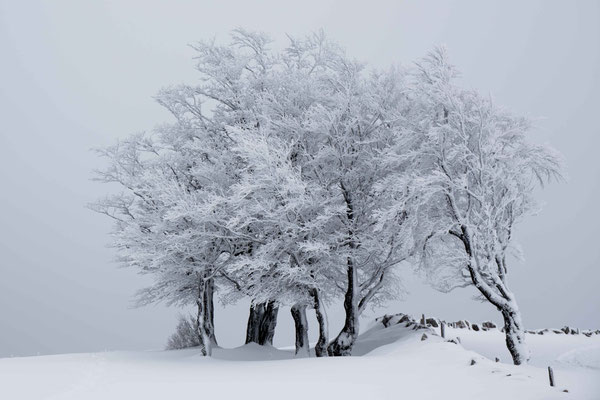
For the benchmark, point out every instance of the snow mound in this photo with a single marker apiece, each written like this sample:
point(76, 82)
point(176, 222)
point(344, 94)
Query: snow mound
point(252, 352)
point(587, 357)
point(395, 329)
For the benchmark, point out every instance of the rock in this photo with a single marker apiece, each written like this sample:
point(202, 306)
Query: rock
point(389, 320)
point(419, 326)
point(566, 330)
point(432, 322)
point(488, 325)
point(455, 341)
point(385, 320)
point(557, 331)
point(475, 327)
point(473, 362)
point(461, 325)
point(424, 337)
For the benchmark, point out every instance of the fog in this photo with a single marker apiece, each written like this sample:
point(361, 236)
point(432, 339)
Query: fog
point(77, 75)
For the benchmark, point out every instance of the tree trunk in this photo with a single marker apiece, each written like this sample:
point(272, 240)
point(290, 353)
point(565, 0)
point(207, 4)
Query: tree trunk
point(203, 339)
point(513, 327)
point(209, 311)
point(321, 346)
point(266, 330)
point(515, 335)
point(343, 343)
point(502, 299)
point(301, 325)
point(262, 321)
point(254, 319)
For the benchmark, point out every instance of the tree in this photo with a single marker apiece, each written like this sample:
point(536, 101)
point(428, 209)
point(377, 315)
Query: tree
point(154, 233)
point(360, 121)
point(292, 177)
point(289, 262)
point(171, 218)
point(321, 127)
point(474, 178)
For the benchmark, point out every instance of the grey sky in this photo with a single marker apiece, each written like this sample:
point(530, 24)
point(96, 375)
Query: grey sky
point(76, 75)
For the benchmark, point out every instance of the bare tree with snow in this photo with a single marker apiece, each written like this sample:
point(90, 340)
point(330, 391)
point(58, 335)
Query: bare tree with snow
point(473, 178)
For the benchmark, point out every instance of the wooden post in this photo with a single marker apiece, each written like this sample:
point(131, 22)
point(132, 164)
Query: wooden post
point(443, 329)
point(422, 319)
point(551, 376)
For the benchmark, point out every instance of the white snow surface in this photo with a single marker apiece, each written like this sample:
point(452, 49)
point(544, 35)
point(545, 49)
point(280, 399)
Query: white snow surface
point(389, 363)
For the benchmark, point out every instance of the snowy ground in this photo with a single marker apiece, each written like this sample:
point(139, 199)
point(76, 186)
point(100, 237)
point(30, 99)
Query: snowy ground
point(392, 363)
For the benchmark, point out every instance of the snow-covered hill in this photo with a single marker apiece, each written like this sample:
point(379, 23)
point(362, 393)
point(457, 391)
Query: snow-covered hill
point(391, 362)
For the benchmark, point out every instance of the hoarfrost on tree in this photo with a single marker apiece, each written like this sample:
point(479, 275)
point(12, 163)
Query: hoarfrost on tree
point(298, 177)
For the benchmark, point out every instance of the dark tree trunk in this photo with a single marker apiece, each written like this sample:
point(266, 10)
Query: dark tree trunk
point(203, 339)
point(209, 311)
point(254, 319)
point(343, 343)
point(502, 299)
point(301, 325)
point(262, 321)
point(321, 346)
point(515, 336)
point(266, 330)
point(200, 328)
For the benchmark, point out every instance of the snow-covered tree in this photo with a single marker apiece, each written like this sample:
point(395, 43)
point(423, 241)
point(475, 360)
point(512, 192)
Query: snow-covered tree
point(291, 260)
point(473, 178)
point(350, 133)
point(335, 119)
point(157, 229)
point(296, 177)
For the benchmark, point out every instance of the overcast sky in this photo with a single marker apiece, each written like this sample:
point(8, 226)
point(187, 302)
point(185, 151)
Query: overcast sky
point(81, 74)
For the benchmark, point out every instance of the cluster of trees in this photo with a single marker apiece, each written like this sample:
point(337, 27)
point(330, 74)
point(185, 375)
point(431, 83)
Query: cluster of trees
point(298, 177)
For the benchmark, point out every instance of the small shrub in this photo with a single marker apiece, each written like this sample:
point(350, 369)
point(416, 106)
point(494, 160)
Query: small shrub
point(186, 334)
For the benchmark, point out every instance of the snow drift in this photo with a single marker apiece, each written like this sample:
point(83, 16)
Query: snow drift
point(391, 361)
